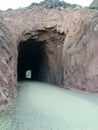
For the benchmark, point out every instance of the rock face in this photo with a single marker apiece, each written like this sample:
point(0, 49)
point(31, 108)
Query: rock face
point(54, 4)
point(67, 42)
point(94, 4)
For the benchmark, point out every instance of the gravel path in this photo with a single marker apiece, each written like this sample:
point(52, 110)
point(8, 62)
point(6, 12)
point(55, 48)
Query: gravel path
point(45, 107)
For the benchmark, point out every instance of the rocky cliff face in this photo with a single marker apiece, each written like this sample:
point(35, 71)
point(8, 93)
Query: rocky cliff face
point(94, 4)
point(67, 42)
point(54, 4)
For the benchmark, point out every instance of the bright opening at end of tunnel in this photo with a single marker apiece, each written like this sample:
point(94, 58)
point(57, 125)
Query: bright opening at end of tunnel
point(28, 74)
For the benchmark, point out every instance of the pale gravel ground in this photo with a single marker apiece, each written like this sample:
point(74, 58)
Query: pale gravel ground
point(45, 107)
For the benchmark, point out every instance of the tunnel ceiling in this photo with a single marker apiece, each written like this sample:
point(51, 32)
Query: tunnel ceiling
point(41, 52)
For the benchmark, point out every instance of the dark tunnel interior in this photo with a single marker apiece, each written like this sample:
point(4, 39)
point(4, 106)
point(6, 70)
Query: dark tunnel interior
point(31, 56)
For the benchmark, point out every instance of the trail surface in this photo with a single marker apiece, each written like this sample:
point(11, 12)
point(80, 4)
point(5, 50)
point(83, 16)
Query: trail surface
point(45, 107)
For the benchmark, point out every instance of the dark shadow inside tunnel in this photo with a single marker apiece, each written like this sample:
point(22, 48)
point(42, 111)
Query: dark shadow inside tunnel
point(31, 59)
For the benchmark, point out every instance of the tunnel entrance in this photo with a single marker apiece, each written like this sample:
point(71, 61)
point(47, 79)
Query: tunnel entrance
point(40, 56)
point(31, 56)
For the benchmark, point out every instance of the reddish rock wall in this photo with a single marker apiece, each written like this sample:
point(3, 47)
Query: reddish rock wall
point(72, 40)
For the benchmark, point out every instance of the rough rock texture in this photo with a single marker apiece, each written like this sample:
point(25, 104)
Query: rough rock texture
point(71, 45)
point(94, 4)
point(53, 4)
point(7, 66)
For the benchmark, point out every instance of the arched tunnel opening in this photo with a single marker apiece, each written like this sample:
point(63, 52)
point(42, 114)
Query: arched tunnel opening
point(31, 59)
point(40, 57)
